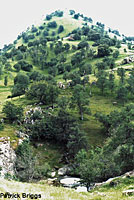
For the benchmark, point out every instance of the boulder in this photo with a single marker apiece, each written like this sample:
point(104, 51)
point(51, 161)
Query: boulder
point(53, 174)
point(81, 189)
point(70, 182)
point(51, 181)
point(20, 141)
point(64, 170)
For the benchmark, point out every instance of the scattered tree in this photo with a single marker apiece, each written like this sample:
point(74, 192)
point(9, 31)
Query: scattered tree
point(12, 111)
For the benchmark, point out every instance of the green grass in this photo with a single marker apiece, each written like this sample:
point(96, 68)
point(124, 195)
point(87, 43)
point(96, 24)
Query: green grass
point(91, 126)
point(59, 193)
point(98, 103)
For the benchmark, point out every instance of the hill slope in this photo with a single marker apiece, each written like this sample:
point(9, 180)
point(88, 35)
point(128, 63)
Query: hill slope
point(72, 81)
point(59, 193)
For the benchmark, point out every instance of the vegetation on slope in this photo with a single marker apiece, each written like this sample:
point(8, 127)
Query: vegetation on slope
point(76, 75)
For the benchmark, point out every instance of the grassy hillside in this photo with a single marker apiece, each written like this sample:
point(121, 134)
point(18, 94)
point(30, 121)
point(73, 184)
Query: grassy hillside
point(59, 193)
point(98, 102)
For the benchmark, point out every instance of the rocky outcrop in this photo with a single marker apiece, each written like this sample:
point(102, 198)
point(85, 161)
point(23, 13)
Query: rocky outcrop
point(7, 157)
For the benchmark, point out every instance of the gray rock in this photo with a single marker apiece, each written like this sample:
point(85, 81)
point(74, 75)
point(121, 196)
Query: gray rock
point(7, 156)
point(53, 174)
point(64, 170)
point(51, 181)
point(70, 182)
point(81, 189)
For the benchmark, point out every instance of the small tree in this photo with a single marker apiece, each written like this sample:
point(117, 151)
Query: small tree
point(12, 111)
point(131, 82)
point(65, 76)
point(122, 94)
point(5, 80)
point(21, 82)
point(76, 16)
point(103, 50)
point(53, 94)
point(102, 80)
point(118, 44)
point(85, 69)
point(17, 67)
point(60, 29)
point(66, 47)
point(111, 81)
point(116, 54)
point(80, 100)
point(121, 73)
point(72, 12)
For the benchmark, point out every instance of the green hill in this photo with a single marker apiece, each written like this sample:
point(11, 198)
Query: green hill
point(67, 85)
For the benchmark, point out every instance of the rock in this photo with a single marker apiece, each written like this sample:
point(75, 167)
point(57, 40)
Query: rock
point(51, 181)
point(110, 180)
point(70, 182)
point(81, 189)
point(128, 192)
point(114, 103)
point(7, 157)
point(56, 167)
point(101, 194)
point(129, 174)
point(64, 170)
point(20, 141)
point(98, 184)
point(53, 174)
point(13, 141)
